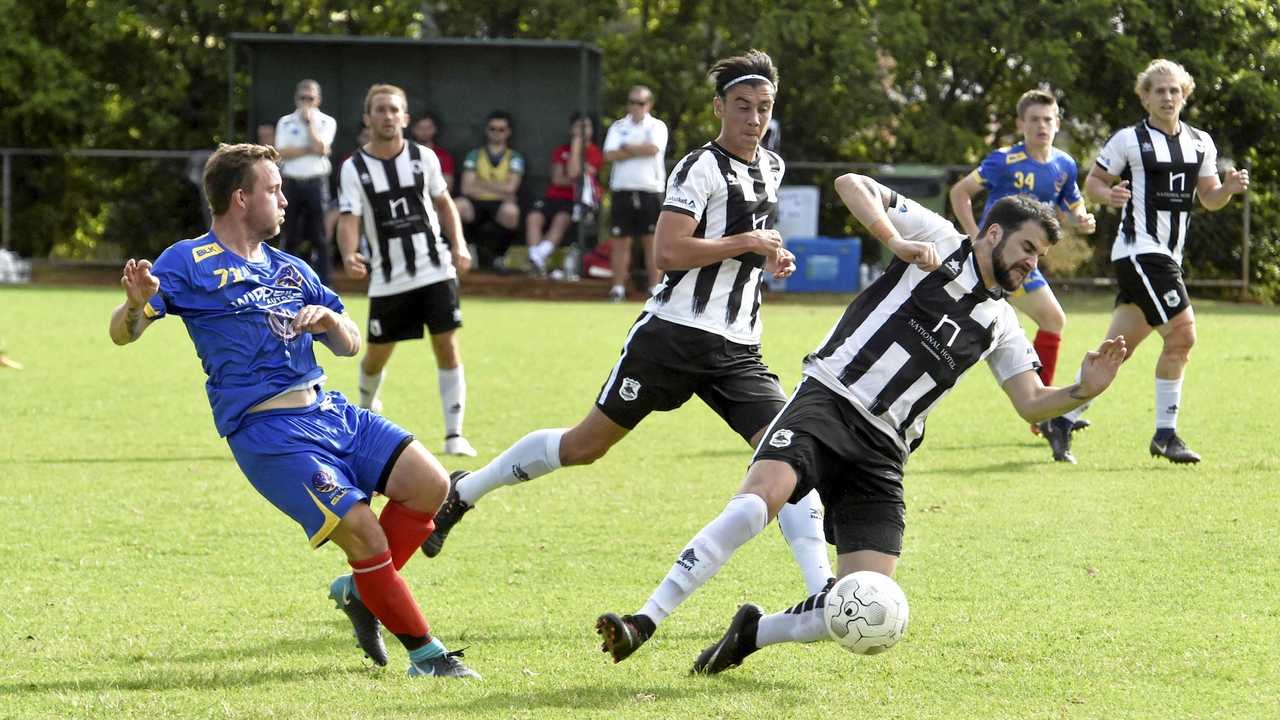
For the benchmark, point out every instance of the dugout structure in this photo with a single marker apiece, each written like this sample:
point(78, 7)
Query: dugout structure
point(459, 80)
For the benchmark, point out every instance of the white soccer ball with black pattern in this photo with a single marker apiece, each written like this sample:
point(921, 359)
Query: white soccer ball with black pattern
point(866, 612)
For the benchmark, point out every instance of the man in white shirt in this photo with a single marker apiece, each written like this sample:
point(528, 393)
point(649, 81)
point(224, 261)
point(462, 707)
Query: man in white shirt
point(635, 145)
point(304, 138)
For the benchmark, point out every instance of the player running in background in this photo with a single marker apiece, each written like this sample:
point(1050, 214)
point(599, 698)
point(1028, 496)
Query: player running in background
point(1032, 167)
point(1154, 171)
point(700, 331)
point(253, 313)
point(416, 253)
point(899, 348)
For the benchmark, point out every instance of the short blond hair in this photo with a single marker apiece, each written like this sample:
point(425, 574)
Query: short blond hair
point(1162, 66)
point(230, 168)
point(383, 89)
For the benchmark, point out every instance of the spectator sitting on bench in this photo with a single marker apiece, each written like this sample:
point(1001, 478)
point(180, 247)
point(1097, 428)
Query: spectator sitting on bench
point(569, 195)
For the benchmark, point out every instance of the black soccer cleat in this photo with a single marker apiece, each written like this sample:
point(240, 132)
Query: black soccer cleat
point(738, 642)
point(1081, 424)
point(621, 635)
point(367, 628)
point(1058, 432)
point(446, 665)
point(1174, 450)
point(450, 514)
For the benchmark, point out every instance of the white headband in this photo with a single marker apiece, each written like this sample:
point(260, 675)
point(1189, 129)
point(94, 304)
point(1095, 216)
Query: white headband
point(747, 78)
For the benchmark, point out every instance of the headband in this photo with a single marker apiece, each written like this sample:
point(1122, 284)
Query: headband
point(747, 78)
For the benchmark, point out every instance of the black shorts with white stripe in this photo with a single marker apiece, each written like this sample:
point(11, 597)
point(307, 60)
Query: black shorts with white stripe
point(663, 364)
point(856, 468)
point(393, 318)
point(1153, 282)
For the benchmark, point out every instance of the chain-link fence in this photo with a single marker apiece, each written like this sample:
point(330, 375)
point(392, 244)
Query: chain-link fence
point(106, 205)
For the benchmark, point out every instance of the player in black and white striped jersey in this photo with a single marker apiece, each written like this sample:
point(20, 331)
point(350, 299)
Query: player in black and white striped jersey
point(1154, 171)
point(898, 350)
point(700, 333)
point(393, 192)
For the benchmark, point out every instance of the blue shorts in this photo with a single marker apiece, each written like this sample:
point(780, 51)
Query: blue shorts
point(315, 463)
point(1035, 280)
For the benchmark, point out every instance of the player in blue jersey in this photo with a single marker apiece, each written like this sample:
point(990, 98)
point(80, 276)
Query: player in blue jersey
point(1032, 167)
point(253, 313)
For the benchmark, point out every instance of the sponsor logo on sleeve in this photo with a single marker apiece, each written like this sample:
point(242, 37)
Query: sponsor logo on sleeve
point(204, 252)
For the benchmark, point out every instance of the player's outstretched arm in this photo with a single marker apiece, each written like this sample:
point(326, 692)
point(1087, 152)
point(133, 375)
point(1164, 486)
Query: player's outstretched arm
point(337, 332)
point(1214, 194)
point(128, 320)
point(867, 200)
point(1102, 187)
point(1037, 403)
point(962, 202)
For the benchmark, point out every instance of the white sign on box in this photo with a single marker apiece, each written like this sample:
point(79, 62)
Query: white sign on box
point(798, 211)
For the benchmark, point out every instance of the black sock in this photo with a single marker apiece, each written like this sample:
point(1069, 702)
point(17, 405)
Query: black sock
point(644, 625)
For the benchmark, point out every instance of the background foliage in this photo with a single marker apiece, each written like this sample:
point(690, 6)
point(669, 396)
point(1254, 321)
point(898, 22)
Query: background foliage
point(929, 81)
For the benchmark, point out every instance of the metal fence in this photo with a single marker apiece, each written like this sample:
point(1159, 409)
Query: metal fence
point(108, 204)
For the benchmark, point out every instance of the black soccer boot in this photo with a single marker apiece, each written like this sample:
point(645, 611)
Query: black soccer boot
point(1058, 432)
point(450, 514)
point(623, 635)
point(367, 628)
point(1174, 450)
point(738, 642)
point(1079, 425)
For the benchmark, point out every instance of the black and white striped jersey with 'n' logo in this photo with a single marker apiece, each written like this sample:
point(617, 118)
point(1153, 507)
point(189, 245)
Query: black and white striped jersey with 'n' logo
point(902, 344)
point(1162, 171)
point(394, 199)
point(727, 196)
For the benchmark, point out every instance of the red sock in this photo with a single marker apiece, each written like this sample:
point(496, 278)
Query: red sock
point(1046, 344)
point(387, 596)
point(406, 530)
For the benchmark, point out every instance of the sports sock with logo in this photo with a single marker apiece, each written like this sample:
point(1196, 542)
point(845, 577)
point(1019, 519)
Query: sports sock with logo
point(387, 596)
point(1046, 345)
point(533, 455)
point(743, 518)
point(453, 398)
point(801, 526)
point(406, 530)
point(369, 385)
point(805, 622)
point(1168, 400)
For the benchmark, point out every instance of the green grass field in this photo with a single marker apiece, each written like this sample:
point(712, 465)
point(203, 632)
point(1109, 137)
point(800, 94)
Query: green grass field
point(144, 578)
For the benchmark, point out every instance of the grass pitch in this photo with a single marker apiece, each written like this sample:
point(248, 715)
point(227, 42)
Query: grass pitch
point(146, 579)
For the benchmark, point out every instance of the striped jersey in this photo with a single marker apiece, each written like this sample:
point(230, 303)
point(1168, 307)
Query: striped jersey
point(394, 199)
point(902, 344)
point(727, 196)
point(1162, 171)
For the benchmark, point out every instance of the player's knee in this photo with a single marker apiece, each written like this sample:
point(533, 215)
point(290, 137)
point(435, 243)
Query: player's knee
point(1055, 320)
point(359, 534)
point(1178, 343)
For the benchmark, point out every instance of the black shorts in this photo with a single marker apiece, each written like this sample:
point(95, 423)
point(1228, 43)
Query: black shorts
point(1153, 282)
point(663, 364)
point(856, 468)
point(486, 210)
point(400, 317)
point(634, 213)
point(550, 208)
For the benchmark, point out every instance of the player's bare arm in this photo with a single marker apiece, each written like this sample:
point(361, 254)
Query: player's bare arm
point(675, 247)
point(349, 245)
point(1101, 187)
point(338, 332)
point(1037, 403)
point(1082, 220)
point(867, 200)
point(1214, 194)
point(962, 194)
point(128, 319)
point(451, 226)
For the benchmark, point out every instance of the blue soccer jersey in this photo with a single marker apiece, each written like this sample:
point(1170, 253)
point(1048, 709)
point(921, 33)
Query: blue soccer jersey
point(1011, 171)
point(239, 315)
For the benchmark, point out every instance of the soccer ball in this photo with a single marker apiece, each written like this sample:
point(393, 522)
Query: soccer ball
point(866, 612)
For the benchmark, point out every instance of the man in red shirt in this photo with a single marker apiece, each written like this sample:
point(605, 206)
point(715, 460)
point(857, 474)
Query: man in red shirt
point(567, 192)
point(424, 130)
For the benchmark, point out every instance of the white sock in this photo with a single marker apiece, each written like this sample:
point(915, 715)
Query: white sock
point(618, 290)
point(801, 526)
point(533, 455)
point(369, 385)
point(742, 519)
point(805, 623)
point(1168, 400)
point(453, 399)
point(545, 248)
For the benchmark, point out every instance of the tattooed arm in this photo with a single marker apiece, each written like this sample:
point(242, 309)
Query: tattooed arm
point(128, 320)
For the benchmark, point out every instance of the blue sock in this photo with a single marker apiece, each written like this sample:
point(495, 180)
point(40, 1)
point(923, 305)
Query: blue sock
point(430, 651)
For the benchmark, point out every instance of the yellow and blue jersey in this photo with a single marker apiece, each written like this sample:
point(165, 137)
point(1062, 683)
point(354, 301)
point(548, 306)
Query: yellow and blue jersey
point(239, 315)
point(1011, 171)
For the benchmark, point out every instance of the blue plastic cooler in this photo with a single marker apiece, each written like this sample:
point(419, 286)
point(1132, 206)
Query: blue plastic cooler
point(825, 264)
